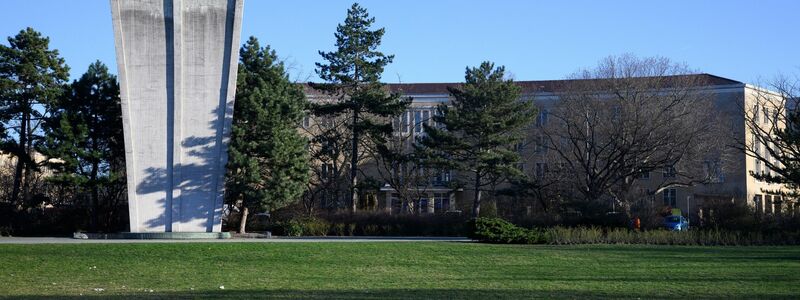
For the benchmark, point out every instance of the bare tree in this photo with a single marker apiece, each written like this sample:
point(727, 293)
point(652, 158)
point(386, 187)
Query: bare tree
point(329, 156)
point(400, 164)
point(630, 116)
point(773, 140)
point(547, 184)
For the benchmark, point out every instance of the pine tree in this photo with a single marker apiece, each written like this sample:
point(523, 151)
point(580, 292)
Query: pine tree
point(268, 162)
point(352, 77)
point(476, 131)
point(87, 141)
point(32, 76)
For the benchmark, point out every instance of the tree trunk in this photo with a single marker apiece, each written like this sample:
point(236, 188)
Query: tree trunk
point(93, 219)
point(354, 164)
point(243, 221)
point(17, 182)
point(26, 179)
point(23, 140)
point(476, 205)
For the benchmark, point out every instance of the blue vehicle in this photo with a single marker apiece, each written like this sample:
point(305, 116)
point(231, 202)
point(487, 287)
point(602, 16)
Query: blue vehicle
point(676, 223)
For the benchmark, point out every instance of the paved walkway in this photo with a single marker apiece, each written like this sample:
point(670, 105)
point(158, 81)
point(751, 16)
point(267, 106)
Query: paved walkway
point(360, 239)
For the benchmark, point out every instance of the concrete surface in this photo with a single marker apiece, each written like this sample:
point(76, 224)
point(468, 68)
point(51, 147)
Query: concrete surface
point(177, 62)
point(65, 240)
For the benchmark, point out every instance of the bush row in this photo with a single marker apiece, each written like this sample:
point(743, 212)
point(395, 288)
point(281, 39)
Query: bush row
point(371, 224)
point(495, 230)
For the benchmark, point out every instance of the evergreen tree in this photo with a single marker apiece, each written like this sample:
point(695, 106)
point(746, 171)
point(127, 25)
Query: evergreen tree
point(87, 141)
point(476, 131)
point(268, 164)
point(352, 76)
point(32, 76)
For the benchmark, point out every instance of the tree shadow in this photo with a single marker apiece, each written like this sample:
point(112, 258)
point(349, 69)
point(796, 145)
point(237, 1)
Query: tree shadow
point(410, 294)
point(194, 184)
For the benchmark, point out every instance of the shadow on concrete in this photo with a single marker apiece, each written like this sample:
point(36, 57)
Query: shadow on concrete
point(198, 185)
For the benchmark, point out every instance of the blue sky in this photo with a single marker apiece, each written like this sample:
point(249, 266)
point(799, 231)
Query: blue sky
point(435, 40)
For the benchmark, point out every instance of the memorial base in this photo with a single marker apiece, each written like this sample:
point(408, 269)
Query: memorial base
point(153, 236)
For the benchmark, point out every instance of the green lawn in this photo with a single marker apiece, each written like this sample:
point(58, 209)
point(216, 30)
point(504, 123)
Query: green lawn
point(396, 270)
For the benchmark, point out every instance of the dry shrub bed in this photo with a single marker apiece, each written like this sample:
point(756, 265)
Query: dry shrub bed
point(495, 230)
point(372, 224)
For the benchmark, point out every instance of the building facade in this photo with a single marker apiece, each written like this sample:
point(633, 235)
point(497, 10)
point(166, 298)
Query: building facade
point(727, 179)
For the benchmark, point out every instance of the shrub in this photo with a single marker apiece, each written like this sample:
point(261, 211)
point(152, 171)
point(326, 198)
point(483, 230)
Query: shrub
point(372, 229)
point(338, 229)
point(496, 230)
point(315, 227)
point(288, 228)
point(379, 223)
point(5, 231)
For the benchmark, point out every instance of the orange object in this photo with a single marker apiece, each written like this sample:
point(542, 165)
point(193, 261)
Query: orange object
point(637, 223)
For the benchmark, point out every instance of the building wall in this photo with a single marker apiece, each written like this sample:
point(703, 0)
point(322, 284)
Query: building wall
point(735, 184)
point(756, 100)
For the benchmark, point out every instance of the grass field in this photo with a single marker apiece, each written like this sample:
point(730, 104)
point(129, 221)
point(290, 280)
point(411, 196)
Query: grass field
point(396, 270)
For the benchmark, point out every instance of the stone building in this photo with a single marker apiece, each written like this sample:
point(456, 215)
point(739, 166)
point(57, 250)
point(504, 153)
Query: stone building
point(728, 181)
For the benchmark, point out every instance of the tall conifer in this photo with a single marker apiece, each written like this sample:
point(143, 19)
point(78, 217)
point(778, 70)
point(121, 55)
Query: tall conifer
point(352, 76)
point(476, 131)
point(86, 140)
point(32, 77)
point(268, 160)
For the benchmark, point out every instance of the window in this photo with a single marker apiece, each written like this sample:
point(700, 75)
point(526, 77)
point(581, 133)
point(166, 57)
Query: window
point(766, 115)
point(397, 123)
point(442, 178)
point(397, 205)
point(519, 147)
point(768, 158)
point(756, 145)
point(437, 113)
point(565, 142)
point(670, 172)
point(441, 202)
point(326, 171)
point(759, 204)
point(421, 117)
point(423, 204)
point(775, 117)
point(768, 205)
point(405, 121)
point(306, 122)
point(713, 171)
point(541, 120)
point(616, 112)
point(758, 166)
point(417, 121)
point(541, 144)
point(756, 114)
point(644, 175)
point(541, 169)
point(671, 197)
point(328, 147)
point(401, 123)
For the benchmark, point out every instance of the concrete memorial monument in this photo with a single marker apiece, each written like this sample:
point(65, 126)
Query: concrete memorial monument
point(177, 62)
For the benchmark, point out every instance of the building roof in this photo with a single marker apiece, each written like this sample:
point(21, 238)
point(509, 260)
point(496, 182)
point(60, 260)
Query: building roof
point(534, 86)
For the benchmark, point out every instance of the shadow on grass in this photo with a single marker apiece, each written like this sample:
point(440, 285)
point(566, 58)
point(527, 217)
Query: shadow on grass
point(388, 294)
point(777, 253)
